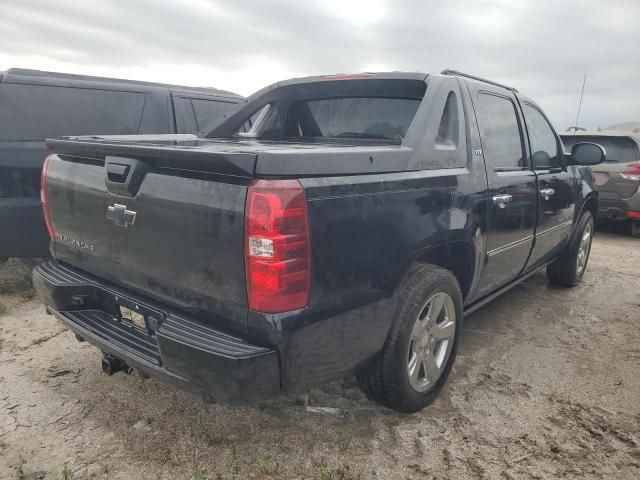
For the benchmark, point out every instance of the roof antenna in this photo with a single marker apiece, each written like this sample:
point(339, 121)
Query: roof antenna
point(584, 81)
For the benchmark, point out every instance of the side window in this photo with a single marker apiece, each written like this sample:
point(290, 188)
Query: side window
point(37, 112)
point(544, 145)
point(185, 116)
point(209, 110)
point(500, 132)
point(194, 114)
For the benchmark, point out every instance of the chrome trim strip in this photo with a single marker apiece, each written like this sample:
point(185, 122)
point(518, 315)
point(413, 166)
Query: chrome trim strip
point(509, 246)
point(555, 227)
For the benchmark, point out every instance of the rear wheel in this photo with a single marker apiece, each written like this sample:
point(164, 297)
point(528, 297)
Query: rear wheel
point(422, 343)
point(568, 269)
point(635, 229)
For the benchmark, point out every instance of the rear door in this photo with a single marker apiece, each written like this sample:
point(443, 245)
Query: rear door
point(512, 186)
point(28, 115)
point(558, 186)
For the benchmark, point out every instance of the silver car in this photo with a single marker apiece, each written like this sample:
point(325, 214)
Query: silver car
point(618, 179)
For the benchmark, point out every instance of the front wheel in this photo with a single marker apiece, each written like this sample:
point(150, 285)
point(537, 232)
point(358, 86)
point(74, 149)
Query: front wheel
point(422, 343)
point(568, 269)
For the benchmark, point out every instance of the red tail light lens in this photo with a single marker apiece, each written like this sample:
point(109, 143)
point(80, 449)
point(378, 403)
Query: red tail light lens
point(634, 173)
point(44, 199)
point(277, 246)
point(635, 168)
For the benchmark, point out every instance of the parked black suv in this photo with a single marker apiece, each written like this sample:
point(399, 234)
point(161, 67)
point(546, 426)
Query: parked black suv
point(36, 105)
point(330, 226)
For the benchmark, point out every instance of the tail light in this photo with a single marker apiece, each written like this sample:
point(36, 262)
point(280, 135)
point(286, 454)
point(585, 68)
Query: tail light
point(277, 246)
point(634, 173)
point(44, 199)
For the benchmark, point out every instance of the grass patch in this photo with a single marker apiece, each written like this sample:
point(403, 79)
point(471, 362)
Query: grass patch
point(235, 466)
point(344, 472)
point(19, 467)
point(200, 474)
point(3, 309)
point(265, 463)
point(66, 474)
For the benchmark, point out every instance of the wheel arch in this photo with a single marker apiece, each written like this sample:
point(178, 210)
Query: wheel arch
point(457, 256)
point(590, 204)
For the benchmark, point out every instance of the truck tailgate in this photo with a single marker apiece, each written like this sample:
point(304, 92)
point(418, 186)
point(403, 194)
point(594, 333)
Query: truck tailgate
point(161, 221)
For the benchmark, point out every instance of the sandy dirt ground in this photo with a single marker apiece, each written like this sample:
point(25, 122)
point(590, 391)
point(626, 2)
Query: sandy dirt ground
point(547, 385)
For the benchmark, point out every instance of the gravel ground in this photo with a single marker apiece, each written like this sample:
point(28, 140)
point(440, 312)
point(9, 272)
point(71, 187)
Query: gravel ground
point(546, 385)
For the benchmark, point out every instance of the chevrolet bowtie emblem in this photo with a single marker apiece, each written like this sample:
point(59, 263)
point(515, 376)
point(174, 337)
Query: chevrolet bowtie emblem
point(120, 215)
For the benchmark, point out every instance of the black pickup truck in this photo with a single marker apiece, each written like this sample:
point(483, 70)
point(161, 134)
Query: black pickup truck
point(331, 226)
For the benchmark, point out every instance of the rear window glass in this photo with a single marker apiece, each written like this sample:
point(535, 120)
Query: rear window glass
point(619, 149)
point(372, 118)
point(36, 112)
point(356, 118)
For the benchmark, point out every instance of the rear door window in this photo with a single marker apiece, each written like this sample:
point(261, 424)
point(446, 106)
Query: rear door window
point(36, 112)
point(500, 132)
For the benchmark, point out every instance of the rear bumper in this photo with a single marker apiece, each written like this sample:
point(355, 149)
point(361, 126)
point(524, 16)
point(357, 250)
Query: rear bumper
point(613, 206)
point(176, 349)
point(22, 229)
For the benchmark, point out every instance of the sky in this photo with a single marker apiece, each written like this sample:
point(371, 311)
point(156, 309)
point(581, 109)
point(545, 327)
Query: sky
point(543, 48)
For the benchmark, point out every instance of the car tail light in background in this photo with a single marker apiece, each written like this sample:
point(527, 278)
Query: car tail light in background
point(633, 213)
point(277, 246)
point(44, 199)
point(633, 173)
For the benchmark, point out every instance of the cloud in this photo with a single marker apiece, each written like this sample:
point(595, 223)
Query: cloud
point(543, 48)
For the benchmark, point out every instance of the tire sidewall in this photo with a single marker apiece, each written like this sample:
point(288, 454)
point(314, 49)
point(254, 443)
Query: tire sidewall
point(445, 282)
point(586, 218)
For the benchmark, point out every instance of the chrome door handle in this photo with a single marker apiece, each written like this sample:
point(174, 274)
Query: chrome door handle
point(547, 192)
point(502, 199)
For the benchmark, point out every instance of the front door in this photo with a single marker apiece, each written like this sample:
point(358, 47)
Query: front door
point(558, 190)
point(512, 187)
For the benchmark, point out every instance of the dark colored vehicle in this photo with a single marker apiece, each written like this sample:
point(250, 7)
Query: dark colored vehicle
point(618, 179)
point(36, 105)
point(330, 226)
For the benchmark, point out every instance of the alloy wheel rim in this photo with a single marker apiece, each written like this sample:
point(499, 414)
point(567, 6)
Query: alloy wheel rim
point(431, 341)
point(584, 248)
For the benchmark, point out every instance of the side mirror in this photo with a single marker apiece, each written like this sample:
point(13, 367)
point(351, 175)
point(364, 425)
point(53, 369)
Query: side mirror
point(587, 154)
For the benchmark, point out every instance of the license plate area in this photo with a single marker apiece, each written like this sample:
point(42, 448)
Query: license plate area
point(131, 316)
point(138, 316)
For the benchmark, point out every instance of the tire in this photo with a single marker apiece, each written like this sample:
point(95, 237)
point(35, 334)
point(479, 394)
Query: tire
point(566, 270)
point(635, 229)
point(413, 339)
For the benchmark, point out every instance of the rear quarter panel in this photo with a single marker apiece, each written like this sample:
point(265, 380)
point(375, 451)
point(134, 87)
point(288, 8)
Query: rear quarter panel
point(366, 233)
